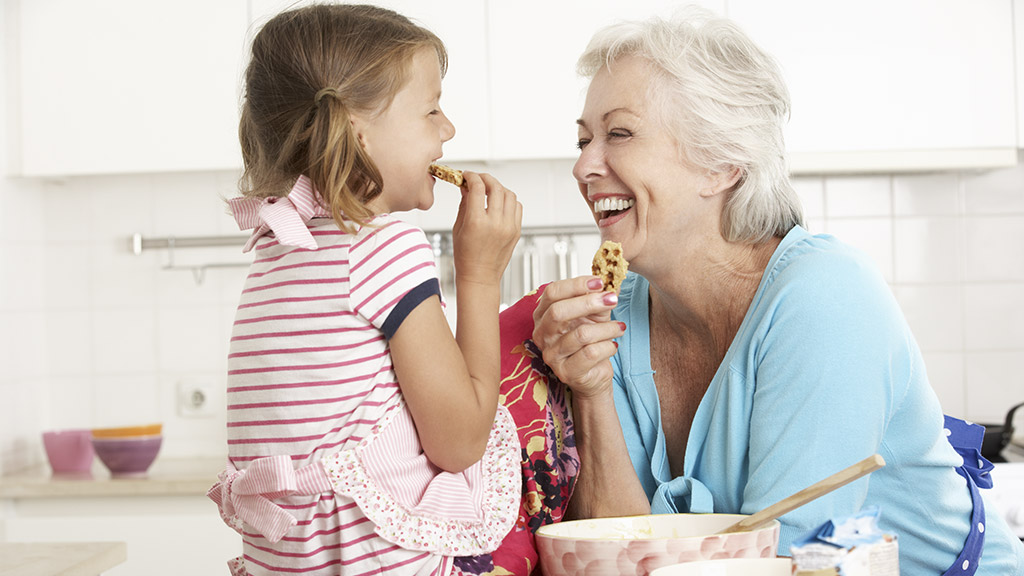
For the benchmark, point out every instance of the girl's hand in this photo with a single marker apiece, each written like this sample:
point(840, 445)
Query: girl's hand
point(486, 229)
point(573, 329)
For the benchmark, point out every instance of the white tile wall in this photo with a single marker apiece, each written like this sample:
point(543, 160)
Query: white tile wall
point(94, 335)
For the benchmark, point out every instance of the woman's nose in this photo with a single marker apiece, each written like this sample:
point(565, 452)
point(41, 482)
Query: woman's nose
point(589, 165)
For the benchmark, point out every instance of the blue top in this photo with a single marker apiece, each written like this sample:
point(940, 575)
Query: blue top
point(822, 373)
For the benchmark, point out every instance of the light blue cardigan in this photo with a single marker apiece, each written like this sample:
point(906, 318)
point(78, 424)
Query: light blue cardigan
point(823, 372)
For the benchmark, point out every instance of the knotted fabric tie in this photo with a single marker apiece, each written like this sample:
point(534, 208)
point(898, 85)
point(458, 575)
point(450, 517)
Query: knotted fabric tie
point(248, 494)
point(966, 438)
point(286, 217)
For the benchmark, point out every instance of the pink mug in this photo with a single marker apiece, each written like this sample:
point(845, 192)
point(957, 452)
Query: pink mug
point(69, 451)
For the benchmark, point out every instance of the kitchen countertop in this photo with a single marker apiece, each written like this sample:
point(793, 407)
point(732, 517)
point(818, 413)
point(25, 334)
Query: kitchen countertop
point(167, 477)
point(60, 558)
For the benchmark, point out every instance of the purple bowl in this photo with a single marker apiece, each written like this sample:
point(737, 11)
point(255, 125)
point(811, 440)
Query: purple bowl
point(127, 457)
point(69, 451)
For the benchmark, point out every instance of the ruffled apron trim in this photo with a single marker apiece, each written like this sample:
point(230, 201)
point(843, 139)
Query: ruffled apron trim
point(462, 514)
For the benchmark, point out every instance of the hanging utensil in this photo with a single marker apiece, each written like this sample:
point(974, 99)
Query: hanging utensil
point(561, 248)
point(574, 259)
point(786, 505)
point(529, 262)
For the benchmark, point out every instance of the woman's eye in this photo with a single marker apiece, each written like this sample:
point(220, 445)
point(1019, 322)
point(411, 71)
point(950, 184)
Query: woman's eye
point(581, 143)
point(619, 134)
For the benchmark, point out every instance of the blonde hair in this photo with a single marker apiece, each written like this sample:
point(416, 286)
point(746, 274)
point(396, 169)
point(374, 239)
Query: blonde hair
point(310, 68)
point(726, 102)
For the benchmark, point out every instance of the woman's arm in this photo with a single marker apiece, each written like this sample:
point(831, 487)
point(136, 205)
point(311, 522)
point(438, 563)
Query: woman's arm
point(572, 327)
point(450, 383)
point(607, 484)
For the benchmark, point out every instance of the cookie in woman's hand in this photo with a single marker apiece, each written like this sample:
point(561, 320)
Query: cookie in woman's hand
point(610, 265)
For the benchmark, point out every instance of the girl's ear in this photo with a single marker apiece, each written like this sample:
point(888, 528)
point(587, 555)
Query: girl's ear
point(722, 181)
point(358, 126)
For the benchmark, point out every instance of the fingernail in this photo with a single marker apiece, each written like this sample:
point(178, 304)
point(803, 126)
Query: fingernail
point(595, 283)
point(622, 326)
point(616, 344)
point(611, 298)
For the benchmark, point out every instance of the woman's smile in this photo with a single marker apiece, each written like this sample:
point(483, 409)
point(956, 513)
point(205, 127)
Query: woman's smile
point(610, 210)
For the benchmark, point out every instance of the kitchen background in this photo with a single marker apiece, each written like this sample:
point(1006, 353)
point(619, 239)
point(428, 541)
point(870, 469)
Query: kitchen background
point(95, 335)
point(905, 145)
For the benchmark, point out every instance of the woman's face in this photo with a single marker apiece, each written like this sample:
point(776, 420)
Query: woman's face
point(406, 138)
point(630, 169)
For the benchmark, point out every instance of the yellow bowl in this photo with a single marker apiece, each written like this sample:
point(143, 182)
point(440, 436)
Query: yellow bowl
point(128, 431)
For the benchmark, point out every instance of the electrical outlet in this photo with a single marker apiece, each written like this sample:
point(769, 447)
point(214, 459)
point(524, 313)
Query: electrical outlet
point(195, 399)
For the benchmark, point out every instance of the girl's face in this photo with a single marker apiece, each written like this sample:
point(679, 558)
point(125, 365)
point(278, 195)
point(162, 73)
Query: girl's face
point(631, 172)
point(406, 138)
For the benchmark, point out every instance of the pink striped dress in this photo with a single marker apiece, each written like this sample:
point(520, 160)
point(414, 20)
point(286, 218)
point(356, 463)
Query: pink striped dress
point(312, 396)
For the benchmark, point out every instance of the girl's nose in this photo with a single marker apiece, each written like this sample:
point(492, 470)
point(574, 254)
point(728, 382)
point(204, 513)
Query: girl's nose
point(447, 128)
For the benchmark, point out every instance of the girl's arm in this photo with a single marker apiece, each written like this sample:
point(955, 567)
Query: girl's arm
point(450, 383)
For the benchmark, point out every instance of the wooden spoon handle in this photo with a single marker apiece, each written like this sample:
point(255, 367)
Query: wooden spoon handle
point(841, 478)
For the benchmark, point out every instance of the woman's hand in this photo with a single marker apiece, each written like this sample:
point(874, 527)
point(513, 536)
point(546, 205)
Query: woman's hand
point(573, 329)
point(486, 229)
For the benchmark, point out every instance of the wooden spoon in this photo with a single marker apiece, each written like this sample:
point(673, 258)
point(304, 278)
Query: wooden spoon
point(841, 478)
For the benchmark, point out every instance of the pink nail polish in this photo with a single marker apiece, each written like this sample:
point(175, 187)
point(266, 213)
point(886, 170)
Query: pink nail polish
point(611, 298)
point(595, 283)
point(622, 326)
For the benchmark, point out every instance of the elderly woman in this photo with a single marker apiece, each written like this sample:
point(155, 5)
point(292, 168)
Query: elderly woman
point(744, 358)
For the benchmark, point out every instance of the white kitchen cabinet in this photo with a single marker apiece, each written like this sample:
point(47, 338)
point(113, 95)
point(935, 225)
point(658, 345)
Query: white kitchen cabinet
point(883, 85)
point(127, 86)
point(462, 26)
point(169, 525)
point(165, 535)
point(1018, 33)
point(535, 93)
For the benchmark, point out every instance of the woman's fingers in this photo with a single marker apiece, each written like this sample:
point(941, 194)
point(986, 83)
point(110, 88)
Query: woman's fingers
point(578, 339)
point(589, 370)
point(565, 303)
point(573, 330)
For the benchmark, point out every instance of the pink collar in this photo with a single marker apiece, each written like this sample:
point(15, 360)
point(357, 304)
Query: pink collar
point(286, 217)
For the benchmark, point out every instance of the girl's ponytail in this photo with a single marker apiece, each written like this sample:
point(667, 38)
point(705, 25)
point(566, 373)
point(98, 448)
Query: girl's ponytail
point(338, 165)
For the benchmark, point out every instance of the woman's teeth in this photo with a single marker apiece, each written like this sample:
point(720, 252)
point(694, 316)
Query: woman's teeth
point(613, 204)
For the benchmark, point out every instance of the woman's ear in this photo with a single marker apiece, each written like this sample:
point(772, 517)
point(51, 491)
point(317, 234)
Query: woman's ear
point(721, 181)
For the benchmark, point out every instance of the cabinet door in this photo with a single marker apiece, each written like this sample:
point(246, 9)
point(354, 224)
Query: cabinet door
point(1018, 32)
point(535, 92)
point(129, 86)
point(165, 535)
point(877, 75)
point(461, 25)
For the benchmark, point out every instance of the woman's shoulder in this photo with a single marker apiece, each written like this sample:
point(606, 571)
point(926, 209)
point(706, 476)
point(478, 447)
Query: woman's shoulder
point(821, 262)
point(816, 277)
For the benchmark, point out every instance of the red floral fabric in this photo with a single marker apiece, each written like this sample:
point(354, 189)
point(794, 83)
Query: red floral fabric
point(540, 406)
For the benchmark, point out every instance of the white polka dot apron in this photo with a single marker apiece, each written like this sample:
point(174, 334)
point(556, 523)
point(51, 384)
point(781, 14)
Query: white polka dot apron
point(966, 440)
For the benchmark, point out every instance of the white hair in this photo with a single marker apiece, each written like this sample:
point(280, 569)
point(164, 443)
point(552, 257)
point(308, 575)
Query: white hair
point(725, 101)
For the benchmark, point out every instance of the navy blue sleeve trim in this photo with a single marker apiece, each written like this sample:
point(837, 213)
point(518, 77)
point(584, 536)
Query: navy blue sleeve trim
point(408, 303)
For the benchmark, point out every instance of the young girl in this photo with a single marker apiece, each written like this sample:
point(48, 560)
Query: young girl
point(363, 438)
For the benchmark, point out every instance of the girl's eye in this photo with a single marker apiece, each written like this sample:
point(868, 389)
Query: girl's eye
point(434, 112)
